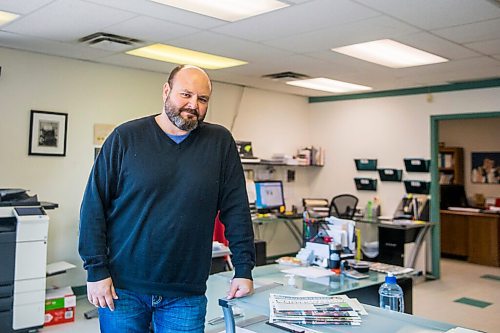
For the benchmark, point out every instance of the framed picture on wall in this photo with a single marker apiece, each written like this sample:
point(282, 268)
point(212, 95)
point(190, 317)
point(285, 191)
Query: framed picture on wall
point(485, 167)
point(48, 132)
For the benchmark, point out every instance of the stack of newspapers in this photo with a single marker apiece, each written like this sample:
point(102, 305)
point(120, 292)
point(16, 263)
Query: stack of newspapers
point(315, 310)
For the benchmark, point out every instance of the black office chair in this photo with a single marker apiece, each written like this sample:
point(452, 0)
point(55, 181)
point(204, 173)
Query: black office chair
point(343, 206)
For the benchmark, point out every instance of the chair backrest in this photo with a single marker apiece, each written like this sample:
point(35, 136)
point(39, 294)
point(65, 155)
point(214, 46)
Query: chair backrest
point(343, 206)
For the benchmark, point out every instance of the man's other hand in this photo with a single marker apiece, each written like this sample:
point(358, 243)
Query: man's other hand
point(240, 287)
point(102, 293)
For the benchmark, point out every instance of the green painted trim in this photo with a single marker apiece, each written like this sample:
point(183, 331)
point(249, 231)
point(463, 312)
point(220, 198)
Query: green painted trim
point(491, 83)
point(434, 216)
point(434, 213)
point(464, 116)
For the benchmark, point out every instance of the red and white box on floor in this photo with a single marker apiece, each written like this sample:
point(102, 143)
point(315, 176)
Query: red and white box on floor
point(60, 306)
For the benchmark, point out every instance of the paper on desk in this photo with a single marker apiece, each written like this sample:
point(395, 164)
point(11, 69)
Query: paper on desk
point(462, 330)
point(357, 306)
point(311, 272)
point(240, 330)
point(58, 267)
point(325, 280)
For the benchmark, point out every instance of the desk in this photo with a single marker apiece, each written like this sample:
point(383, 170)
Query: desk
point(392, 239)
point(279, 243)
point(471, 235)
point(257, 306)
point(365, 290)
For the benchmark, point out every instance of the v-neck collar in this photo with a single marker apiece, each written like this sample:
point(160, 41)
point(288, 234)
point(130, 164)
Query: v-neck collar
point(169, 139)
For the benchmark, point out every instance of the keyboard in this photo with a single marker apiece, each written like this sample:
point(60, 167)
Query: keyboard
point(289, 216)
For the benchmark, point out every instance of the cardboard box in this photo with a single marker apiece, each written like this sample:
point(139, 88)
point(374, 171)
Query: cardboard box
point(60, 306)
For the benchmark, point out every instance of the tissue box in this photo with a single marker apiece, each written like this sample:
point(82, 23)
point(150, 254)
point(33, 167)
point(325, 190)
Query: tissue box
point(60, 305)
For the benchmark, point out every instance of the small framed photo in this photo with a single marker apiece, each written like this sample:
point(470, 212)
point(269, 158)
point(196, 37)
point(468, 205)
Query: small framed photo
point(48, 131)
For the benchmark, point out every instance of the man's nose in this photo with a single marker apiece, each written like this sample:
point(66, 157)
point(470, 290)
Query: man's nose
point(193, 102)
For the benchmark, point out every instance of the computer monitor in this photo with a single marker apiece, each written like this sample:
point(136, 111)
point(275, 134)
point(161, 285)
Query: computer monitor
point(453, 195)
point(269, 195)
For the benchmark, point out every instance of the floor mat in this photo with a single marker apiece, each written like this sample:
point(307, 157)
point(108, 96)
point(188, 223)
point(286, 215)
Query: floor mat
point(491, 277)
point(473, 302)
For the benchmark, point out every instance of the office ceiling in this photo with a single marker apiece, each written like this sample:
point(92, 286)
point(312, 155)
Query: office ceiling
point(297, 38)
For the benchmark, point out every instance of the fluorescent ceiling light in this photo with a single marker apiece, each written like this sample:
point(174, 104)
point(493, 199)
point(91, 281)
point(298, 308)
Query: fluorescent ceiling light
point(6, 17)
point(227, 10)
point(387, 52)
point(178, 55)
point(324, 84)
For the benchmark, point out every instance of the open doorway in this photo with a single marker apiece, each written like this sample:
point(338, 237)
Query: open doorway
point(444, 128)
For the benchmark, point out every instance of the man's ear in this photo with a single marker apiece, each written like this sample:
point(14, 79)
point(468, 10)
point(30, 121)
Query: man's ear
point(166, 90)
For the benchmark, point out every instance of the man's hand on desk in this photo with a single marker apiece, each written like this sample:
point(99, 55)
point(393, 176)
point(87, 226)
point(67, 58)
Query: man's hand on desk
point(240, 287)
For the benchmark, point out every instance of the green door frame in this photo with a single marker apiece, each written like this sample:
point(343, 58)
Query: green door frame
point(435, 217)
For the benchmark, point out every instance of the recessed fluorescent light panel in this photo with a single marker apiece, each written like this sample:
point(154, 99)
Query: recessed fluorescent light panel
point(227, 10)
point(178, 55)
point(324, 84)
point(387, 52)
point(6, 17)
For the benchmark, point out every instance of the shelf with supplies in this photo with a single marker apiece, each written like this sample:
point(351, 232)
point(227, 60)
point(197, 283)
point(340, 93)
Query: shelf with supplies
point(272, 164)
point(305, 157)
point(451, 165)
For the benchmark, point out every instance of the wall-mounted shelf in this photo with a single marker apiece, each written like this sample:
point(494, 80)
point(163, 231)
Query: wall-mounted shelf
point(365, 164)
point(365, 184)
point(280, 165)
point(417, 165)
point(390, 175)
point(417, 186)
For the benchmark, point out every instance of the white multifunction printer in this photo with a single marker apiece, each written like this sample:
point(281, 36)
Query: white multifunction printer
point(23, 253)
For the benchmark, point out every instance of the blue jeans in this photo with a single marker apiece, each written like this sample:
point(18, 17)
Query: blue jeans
point(135, 312)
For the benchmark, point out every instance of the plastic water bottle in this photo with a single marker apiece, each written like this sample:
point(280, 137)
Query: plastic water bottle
point(391, 295)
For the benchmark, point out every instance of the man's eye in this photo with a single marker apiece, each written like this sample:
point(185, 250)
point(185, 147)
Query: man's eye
point(203, 100)
point(185, 95)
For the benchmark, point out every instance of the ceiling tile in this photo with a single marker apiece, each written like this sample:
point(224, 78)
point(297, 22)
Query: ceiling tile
point(163, 12)
point(436, 45)
point(467, 33)
point(433, 14)
point(125, 60)
point(22, 7)
point(297, 19)
point(350, 33)
point(67, 20)
point(459, 70)
point(38, 45)
point(150, 29)
point(228, 46)
point(488, 47)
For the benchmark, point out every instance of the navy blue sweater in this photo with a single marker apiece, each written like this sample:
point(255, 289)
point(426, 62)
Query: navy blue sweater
point(147, 215)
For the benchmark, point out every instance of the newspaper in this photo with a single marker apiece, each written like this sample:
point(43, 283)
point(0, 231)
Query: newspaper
point(313, 310)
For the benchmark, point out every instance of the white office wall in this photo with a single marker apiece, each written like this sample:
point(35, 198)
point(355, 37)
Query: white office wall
point(93, 93)
point(474, 135)
point(389, 129)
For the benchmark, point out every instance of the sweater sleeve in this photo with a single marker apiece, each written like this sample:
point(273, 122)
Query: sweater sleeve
point(235, 215)
point(100, 190)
